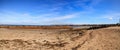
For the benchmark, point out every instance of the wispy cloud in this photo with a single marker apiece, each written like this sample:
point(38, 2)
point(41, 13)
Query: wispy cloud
point(87, 4)
point(70, 6)
point(68, 16)
point(61, 11)
point(26, 18)
point(111, 16)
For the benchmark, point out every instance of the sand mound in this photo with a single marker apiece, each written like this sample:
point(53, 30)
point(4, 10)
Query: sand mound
point(59, 39)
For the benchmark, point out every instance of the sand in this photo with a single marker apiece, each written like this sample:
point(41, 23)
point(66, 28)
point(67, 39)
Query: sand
point(59, 39)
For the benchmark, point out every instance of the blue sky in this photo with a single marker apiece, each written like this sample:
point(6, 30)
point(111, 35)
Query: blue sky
point(39, 12)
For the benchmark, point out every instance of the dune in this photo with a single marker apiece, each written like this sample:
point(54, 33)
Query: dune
point(60, 39)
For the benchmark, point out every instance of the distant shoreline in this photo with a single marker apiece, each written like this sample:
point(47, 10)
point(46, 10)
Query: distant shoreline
point(82, 26)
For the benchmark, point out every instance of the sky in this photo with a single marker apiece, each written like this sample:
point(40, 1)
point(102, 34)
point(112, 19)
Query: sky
point(47, 12)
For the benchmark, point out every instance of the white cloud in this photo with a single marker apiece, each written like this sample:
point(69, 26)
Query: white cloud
point(87, 6)
point(111, 16)
point(63, 17)
point(95, 2)
point(26, 18)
